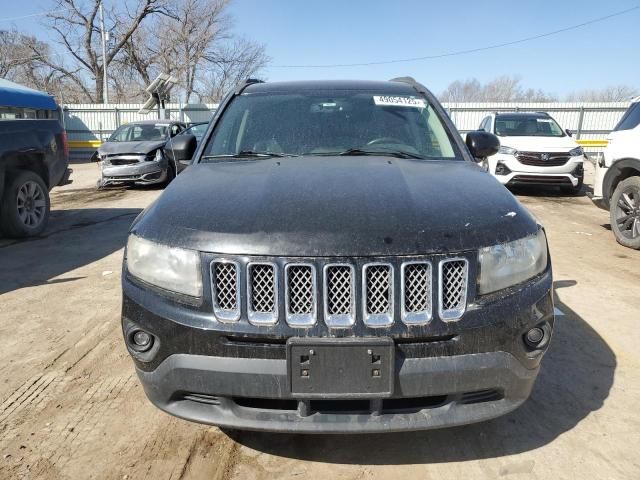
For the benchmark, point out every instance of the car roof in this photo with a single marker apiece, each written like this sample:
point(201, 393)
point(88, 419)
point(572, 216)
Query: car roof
point(152, 122)
point(523, 114)
point(399, 88)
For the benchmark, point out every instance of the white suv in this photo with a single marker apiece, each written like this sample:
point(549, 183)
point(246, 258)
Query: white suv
point(617, 181)
point(534, 150)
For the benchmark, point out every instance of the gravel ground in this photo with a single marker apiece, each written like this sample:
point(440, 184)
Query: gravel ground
point(71, 406)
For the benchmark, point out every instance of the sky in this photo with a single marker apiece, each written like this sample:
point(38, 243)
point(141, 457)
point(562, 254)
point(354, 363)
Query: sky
point(320, 32)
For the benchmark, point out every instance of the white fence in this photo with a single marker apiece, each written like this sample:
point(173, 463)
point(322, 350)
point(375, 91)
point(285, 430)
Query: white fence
point(89, 124)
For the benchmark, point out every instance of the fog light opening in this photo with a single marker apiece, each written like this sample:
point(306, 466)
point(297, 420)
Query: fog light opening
point(537, 337)
point(140, 341)
point(534, 336)
point(502, 169)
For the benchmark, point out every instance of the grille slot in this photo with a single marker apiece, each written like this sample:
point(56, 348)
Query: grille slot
point(226, 291)
point(262, 293)
point(453, 288)
point(377, 287)
point(416, 293)
point(301, 294)
point(339, 295)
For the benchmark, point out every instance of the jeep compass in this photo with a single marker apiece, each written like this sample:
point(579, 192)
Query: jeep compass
point(334, 260)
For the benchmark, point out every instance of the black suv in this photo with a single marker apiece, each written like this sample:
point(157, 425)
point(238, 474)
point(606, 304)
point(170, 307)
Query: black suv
point(334, 260)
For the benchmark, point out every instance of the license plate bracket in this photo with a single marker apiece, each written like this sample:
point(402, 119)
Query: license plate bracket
point(341, 368)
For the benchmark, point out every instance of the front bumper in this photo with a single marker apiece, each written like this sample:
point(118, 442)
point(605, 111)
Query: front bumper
point(454, 390)
point(143, 173)
point(521, 174)
point(235, 375)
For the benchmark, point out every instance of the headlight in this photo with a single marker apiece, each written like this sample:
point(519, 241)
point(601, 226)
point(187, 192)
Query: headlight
point(159, 155)
point(502, 266)
point(171, 268)
point(507, 150)
point(576, 152)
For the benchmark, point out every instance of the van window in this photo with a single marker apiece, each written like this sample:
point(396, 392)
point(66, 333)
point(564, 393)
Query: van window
point(630, 119)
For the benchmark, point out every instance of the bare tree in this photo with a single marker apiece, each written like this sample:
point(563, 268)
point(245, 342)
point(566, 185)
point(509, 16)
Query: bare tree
point(462, 91)
point(21, 61)
point(505, 88)
point(12, 54)
point(75, 23)
point(232, 64)
point(615, 93)
point(197, 46)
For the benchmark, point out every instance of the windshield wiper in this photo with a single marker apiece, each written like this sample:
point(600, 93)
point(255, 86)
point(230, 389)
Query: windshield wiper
point(250, 154)
point(392, 153)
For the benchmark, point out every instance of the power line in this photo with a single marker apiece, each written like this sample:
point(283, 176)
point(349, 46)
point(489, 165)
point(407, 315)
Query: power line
point(467, 51)
point(39, 14)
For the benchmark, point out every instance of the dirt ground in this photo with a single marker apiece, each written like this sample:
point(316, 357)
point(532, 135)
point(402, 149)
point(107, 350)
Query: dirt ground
point(71, 406)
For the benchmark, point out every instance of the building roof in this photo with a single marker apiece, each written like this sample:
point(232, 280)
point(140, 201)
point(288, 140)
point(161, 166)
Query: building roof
point(15, 95)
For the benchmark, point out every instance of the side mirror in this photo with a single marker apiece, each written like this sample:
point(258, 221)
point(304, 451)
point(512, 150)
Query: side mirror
point(482, 144)
point(180, 149)
point(569, 132)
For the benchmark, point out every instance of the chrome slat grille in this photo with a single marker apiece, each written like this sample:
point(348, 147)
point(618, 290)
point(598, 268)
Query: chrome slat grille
point(339, 295)
point(378, 294)
point(262, 293)
point(416, 293)
point(453, 288)
point(226, 291)
point(301, 294)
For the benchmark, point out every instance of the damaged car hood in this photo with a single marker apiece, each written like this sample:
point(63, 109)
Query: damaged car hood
point(111, 148)
point(335, 206)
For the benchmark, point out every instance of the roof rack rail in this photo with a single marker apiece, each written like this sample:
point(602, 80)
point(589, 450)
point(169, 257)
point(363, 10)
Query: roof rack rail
point(246, 83)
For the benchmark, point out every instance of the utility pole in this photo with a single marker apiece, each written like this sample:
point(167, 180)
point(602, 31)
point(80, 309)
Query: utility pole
point(105, 84)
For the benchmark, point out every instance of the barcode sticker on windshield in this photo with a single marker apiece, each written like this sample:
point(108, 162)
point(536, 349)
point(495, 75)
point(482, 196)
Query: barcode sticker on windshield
point(389, 101)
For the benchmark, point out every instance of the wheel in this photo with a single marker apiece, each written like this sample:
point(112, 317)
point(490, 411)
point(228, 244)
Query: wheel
point(624, 212)
point(574, 190)
point(25, 206)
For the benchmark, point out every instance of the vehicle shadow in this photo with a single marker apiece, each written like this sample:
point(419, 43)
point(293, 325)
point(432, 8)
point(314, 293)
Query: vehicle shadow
point(548, 191)
point(74, 238)
point(576, 377)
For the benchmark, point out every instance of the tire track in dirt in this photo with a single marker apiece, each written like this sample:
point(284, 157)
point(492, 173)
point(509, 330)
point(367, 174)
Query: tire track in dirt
point(31, 393)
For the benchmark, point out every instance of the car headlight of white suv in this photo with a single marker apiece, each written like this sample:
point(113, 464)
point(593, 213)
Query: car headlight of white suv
point(507, 150)
point(508, 264)
point(170, 268)
point(576, 152)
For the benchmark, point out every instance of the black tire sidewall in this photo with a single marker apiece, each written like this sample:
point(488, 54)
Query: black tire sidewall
point(11, 223)
point(622, 240)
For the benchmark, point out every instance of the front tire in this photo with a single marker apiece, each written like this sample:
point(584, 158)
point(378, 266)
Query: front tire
point(25, 206)
point(624, 212)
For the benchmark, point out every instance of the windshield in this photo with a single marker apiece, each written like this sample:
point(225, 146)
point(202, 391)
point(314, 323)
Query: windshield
point(524, 126)
point(143, 132)
point(325, 123)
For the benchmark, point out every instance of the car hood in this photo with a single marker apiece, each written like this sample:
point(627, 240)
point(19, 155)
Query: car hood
point(111, 148)
point(539, 144)
point(335, 206)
